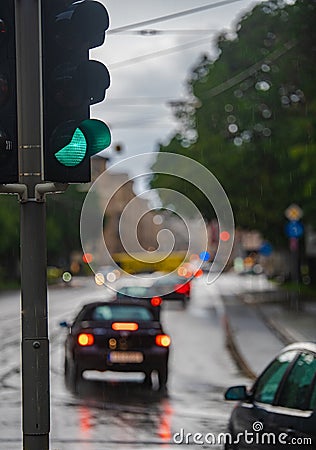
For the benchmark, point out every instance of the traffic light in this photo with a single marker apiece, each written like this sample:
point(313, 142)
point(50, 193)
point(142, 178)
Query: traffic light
point(8, 106)
point(71, 83)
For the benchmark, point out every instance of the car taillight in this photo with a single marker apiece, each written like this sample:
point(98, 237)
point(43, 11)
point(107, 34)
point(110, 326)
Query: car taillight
point(163, 340)
point(85, 339)
point(156, 301)
point(125, 326)
point(182, 288)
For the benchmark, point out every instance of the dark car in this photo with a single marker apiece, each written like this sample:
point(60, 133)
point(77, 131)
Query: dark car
point(280, 409)
point(119, 336)
point(173, 287)
point(141, 293)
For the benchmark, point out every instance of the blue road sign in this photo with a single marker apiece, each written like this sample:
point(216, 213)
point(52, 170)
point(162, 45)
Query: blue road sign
point(294, 229)
point(265, 249)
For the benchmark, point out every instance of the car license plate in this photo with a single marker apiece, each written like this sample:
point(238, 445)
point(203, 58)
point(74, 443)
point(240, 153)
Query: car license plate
point(126, 357)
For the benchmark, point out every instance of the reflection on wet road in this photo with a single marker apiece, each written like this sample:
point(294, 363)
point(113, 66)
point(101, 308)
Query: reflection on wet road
point(123, 413)
point(127, 414)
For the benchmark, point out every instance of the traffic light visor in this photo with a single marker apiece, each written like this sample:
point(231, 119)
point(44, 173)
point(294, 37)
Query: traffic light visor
point(97, 134)
point(88, 16)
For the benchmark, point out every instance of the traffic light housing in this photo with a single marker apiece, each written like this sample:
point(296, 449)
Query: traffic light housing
point(8, 105)
point(71, 83)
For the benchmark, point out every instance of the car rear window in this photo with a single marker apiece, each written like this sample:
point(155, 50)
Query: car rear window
point(134, 291)
point(120, 312)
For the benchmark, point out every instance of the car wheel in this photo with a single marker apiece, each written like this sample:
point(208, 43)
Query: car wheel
point(67, 373)
point(148, 379)
point(162, 376)
point(65, 367)
point(72, 375)
point(231, 446)
point(228, 446)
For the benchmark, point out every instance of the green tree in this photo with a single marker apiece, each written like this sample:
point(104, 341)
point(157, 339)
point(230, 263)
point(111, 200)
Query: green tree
point(255, 124)
point(9, 242)
point(63, 225)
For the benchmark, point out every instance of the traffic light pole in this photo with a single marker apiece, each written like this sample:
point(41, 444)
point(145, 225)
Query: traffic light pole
point(32, 75)
point(35, 344)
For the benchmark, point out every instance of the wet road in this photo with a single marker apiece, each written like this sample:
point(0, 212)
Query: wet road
point(117, 413)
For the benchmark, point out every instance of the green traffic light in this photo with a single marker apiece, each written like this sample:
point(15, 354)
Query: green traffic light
point(91, 137)
point(72, 154)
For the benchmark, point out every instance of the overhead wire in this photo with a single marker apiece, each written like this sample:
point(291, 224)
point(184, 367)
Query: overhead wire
point(155, 32)
point(241, 76)
point(171, 16)
point(217, 89)
point(158, 53)
point(236, 79)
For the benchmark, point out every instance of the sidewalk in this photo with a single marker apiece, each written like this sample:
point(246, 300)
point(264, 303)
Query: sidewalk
point(259, 325)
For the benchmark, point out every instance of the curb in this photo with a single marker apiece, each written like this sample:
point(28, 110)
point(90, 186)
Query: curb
point(234, 350)
point(283, 333)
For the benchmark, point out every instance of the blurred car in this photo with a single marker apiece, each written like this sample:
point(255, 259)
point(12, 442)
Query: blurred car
point(119, 336)
point(173, 287)
point(141, 293)
point(280, 408)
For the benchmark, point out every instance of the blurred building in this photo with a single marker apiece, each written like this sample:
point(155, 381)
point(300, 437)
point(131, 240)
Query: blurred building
point(131, 223)
point(117, 198)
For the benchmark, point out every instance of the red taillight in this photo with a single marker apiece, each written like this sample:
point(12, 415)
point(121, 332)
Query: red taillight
point(156, 301)
point(163, 340)
point(182, 288)
point(85, 339)
point(125, 326)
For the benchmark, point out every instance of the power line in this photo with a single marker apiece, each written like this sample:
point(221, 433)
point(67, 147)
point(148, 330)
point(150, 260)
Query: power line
point(141, 101)
point(157, 54)
point(140, 123)
point(150, 101)
point(233, 81)
point(171, 16)
point(154, 32)
point(220, 88)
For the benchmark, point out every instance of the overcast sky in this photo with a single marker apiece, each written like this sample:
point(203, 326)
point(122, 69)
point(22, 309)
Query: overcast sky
point(147, 71)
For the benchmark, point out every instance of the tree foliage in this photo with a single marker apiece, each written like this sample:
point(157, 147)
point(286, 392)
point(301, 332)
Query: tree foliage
point(63, 225)
point(63, 218)
point(254, 127)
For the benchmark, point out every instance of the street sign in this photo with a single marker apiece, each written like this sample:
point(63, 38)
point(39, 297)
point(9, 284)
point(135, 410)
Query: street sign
point(293, 212)
point(265, 249)
point(294, 229)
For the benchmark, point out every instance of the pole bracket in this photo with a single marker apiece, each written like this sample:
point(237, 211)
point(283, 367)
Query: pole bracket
point(40, 190)
point(48, 188)
point(19, 189)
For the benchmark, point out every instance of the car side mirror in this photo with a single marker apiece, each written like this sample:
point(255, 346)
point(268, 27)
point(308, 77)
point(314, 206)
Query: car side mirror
point(236, 393)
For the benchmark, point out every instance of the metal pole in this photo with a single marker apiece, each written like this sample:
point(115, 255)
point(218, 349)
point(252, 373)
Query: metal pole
point(35, 345)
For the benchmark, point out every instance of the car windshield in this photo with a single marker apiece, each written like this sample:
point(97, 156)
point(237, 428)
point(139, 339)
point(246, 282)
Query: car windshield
point(119, 312)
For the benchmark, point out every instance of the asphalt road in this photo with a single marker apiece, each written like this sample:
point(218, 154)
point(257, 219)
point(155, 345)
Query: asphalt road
point(111, 412)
